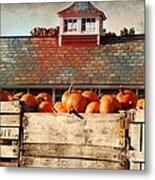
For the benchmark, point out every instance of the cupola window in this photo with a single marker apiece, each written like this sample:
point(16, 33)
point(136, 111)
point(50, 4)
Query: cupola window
point(70, 25)
point(88, 24)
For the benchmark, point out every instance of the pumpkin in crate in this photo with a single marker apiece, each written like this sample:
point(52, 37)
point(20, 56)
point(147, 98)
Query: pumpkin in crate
point(3, 96)
point(67, 93)
point(108, 104)
point(127, 98)
point(76, 102)
point(92, 107)
point(91, 96)
point(111, 99)
point(43, 96)
point(45, 106)
point(29, 102)
point(59, 108)
point(141, 103)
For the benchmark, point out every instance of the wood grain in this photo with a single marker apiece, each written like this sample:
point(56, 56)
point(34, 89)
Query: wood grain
point(9, 133)
point(10, 120)
point(97, 129)
point(8, 151)
point(10, 107)
point(70, 151)
point(69, 163)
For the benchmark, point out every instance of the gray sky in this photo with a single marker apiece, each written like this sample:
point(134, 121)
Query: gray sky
point(20, 19)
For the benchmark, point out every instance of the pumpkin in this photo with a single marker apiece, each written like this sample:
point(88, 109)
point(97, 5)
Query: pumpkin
point(106, 107)
point(43, 96)
point(141, 103)
point(127, 99)
point(90, 95)
point(76, 102)
point(67, 93)
point(58, 107)
point(3, 96)
point(92, 107)
point(9, 94)
point(45, 106)
point(111, 99)
point(17, 96)
point(28, 99)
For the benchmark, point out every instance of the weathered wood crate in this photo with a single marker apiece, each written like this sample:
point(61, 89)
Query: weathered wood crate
point(137, 141)
point(9, 133)
point(67, 141)
point(109, 141)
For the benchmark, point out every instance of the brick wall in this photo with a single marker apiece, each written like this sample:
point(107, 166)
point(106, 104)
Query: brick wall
point(39, 62)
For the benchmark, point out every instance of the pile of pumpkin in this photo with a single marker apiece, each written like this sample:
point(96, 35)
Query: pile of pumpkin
point(78, 101)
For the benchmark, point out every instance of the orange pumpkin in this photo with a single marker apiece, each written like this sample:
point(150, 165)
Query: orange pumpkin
point(28, 99)
point(67, 93)
point(45, 106)
point(106, 107)
point(58, 107)
point(141, 103)
point(43, 96)
point(92, 107)
point(3, 96)
point(127, 98)
point(112, 100)
point(76, 102)
point(91, 96)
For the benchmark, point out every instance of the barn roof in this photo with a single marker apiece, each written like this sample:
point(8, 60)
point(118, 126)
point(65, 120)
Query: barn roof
point(39, 62)
point(81, 9)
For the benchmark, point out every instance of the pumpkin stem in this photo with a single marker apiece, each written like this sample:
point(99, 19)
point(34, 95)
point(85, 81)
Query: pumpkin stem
point(70, 88)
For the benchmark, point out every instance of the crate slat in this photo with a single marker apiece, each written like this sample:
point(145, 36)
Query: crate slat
point(10, 107)
point(69, 129)
point(10, 120)
point(7, 151)
point(134, 133)
point(70, 151)
point(8, 164)
point(134, 166)
point(9, 133)
point(69, 163)
point(136, 156)
point(139, 116)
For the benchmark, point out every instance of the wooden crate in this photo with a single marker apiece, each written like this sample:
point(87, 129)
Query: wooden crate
point(137, 141)
point(67, 141)
point(9, 133)
point(109, 141)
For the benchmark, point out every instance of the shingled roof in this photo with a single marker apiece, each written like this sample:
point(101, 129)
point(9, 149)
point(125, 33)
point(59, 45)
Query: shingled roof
point(39, 62)
point(81, 8)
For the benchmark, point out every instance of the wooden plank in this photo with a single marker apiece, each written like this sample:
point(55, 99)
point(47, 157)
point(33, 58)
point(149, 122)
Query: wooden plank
point(68, 163)
point(53, 128)
point(8, 164)
point(69, 129)
point(137, 156)
point(8, 151)
point(134, 166)
point(10, 120)
point(135, 133)
point(139, 116)
point(107, 131)
point(143, 137)
point(9, 133)
point(143, 166)
point(70, 151)
point(10, 107)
